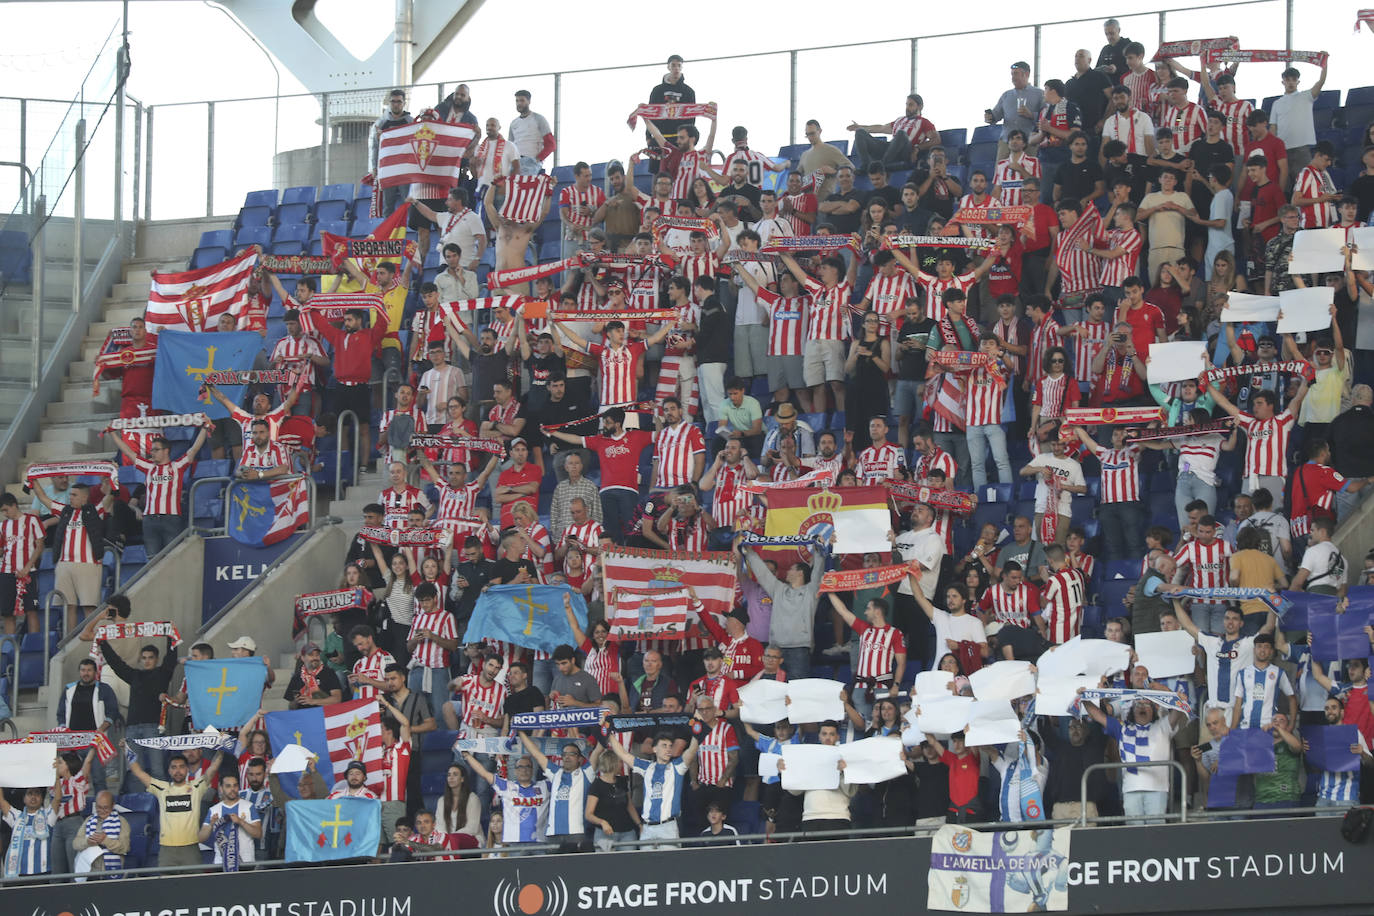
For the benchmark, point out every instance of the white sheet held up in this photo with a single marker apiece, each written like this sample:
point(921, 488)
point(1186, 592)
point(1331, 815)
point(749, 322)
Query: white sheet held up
point(814, 699)
point(933, 684)
point(942, 716)
point(26, 765)
point(1306, 309)
point(1174, 362)
point(1317, 251)
point(768, 765)
point(763, 702)
point(992, 722)
point(872, 760)
point(1242, 307)
point(810, 766)
point(1165, 654)
point(1005, 680)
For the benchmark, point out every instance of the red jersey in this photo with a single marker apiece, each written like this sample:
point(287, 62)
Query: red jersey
point(743, 654)
point(1063, 599)
point(1236, 113)
point(985, 393)
point(618, 371)
point(76, 545)
point(395, 770)
point(487, 701)
point(1120, 474)
point(516, 477)
point(374, 666)
point(676, 448)
point(1014, 608)
point(889, 295)
point(619, 457)
point(1189, 123)
point(162, 483)
point(1314, 487)
point(1266, 452)
point(428, 653)
point(829, 313)
point(730, 500)
point(1116, 270)
point(1210, 564)
point(879, 462)
point(720, 689)
point(878, 651)
point(713, 754)
point(935, 287)
point(785, 322)
point(18, 537)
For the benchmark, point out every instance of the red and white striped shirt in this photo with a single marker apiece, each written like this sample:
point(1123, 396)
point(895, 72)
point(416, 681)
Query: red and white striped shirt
point(1266, 454)
point(525, 196)
point(1084, 563)
point(428, 653)
point(730, 500)
point(572, 197)
point(688, 534)
point(18, 537)
point(713, 757)
point(889, 295)
point(273, 456)
point(1313, 182)
point(617, 371)
point(786, 320)
point(456, 504)
point(1116, 270)
point(878, 651)
point(935, 288)
point(938, 459)
point(676, 448)
point(879, 462)
point(1188, 123)
point(395, 771)
point(162, 485)
point(1236, 114)
point(985, 392)
point(1091, 337)
point(1015, 607)
point(916, 129)
point(1044, 336)
point(1052, 395)
point(506, 414)
point(486, 700)
point(688, 168)
point(1210, 564)
point(1063, 604)
point(294, 353)
point(74, 790)
point(398, 504)
point(829, 312)
point(1140, 85)
point(602, 662)
point(373, 666)
point(540, 535)
point(692, 266)
point(457, 455)
point(76, 546)
point(1009, 180)
point(245, 420)
point(1120, 474)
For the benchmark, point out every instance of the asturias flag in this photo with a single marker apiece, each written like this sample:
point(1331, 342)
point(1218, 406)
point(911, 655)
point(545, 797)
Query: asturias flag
point(225, 692)
point(318, 830)
point(261, 514)
point(527, 615)
point(305, 727)
point(184, 358)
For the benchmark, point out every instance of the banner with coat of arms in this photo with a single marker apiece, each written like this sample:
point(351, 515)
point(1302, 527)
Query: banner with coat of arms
point(1009, 871)
point(859, 517)
point(422, 152)
point(711, 575)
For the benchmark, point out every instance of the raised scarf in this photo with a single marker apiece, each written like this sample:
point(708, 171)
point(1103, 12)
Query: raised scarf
point(122, 359)
point(1117, 416)
point(503, 278)
point(1178, 432)
point(822, 243)
point(144, 629)
point(1049, 521)
point(992, 215)
point(1237, 56)
point(1292, 367)
point(821, 476)
point(580, 717)
point(671, 111)
point(955, 501)
point(160, 421)
point(935, 241)
point(849, 580)
point(308, 264)
point(490, 446)
point(1192, 47)
point(252, 377)
point(406, 537)
point(313, 603)
point(1364, 17)
point(44, 469)
point(338, 247)
point(66, 740)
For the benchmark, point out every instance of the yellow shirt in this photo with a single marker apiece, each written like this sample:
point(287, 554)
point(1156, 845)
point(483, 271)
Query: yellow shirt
point(1326, 394)
point(179, 807)
point(1254, 569)
point(395, 301)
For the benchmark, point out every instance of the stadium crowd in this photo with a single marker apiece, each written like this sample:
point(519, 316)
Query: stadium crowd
point(935, 356)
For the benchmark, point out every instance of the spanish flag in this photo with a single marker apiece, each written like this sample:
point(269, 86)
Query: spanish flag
point(859, 517)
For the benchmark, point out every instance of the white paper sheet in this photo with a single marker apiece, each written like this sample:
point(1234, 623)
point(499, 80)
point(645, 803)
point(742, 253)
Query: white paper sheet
point(1165, 654)
point(991, 722)
point(768, 764)
point(944, 716)
point(1005, 680)
point(1056, 694)
point(1243, 307)
point(872, 760)
point(814, 699)
point(862, 531)
point(1065, 660)
point(1102, 657)
point(933, 684)
point(292, 759)
point(25, 765)
point(1174, 362)
point(1363, 239)
point(763, 702)
point(1306, 309)
point(810, 766)
point(1317, 251)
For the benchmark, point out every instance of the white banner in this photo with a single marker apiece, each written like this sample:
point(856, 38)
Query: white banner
point(1017, 871)
point(24, 766)
point(1174, 362)
point(1242, 307)
point(1306, 309)
point(810, 766)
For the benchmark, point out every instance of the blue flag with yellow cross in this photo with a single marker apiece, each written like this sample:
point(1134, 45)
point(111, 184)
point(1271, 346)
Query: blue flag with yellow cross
point(183, 360)
point(225, 692)
point(318, 830)
point(527, 615)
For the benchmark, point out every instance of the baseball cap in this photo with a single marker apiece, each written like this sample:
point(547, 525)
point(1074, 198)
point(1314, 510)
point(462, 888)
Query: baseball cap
point(244, 642)
point(310, 647)
point(355, 764)
point(1021, 65)
point(615, 283)
point(517, 440)
point(993, 628)
point(712, 652)
point(740, 614)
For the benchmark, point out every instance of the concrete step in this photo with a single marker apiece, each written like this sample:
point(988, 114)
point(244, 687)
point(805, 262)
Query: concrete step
point(83, 436)
point(65, 450)
point(131, 292)
point(78, 411)
point(77, 393)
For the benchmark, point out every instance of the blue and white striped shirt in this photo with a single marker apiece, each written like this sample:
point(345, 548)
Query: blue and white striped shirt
point(568, 803)
point(767, 745)
point(522, 808)
point(1257, 690)
point(1341, 787)
point(32, 832)
point(1224, 658)
point(662, 789)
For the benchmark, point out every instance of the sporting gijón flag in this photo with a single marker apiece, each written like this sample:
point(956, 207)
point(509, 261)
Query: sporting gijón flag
point(354, 732)
point(261, 514)
point(422, 152)
point(193, 300)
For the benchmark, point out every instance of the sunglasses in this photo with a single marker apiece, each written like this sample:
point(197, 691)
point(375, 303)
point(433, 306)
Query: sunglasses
point(1056, 362)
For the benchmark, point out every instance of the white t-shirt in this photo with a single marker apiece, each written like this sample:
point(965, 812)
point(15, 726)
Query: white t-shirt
point(964, 627)
point(1291, 118)
point(527, 133)
point(461, 231)
point(1067, 470)
point(1158, 746)
point(747, 309)
point(1324, 564)
point(928, 547)
point(244, 809)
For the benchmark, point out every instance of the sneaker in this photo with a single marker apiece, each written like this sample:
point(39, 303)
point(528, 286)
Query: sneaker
point(836, 651)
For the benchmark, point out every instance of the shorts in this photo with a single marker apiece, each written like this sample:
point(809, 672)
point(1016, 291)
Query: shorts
point(785, 372)
point(908, 401)
point(228, 435)
point(417, 222)
point(357, 398)
point(9, 594)
point(79, 583)
point(823, 361)
point(751, 350)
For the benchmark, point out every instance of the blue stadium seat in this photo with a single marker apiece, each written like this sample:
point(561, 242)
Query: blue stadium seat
point(1269, 103)
point(995, 493)
point(211, 467)
point(954, 138)
point(599, 171)
point(563, 174)
point(1327, 99)
point(1091, 528)
point(362, 205)
point(206, 257)
point(34, 651)
point(1360, 95)
point(362, 228)
point(252, 235)
point(292, 232)
point(216, 238)
point(257, 208)
point(986, 132)
point(794, 151)
point(296, 204)
point(432, 782)
point(1094, 622)
point(338, 227)
point(16, 263)
point(1110, 594)
point(140, 839)
point(841, 145)
point(1083, 509)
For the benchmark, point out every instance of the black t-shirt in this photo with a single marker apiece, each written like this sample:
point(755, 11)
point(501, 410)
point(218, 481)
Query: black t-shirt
point(1076, 179)
point(1026, 642)
point(329, 682)
point(915, 222)
point(888, 195)
point(1086, 91)
point(844, 223)
point(613, 803)
point(938, 198)
point(506, 570)
point(360, 550)
point(564, 411)
point(747, 191)
point(1206, 155)
point(1152, 172)
point(541, 367)
point(487, 370)
point(81, 712)
point(1135, 173)
point(526, 700)
point(932, 787)
point(911, 364)
point(715, 332)
point(651, 508)
point(1362, 189)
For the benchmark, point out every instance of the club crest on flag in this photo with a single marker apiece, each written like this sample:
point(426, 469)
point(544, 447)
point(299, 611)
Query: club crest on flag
point(959, 894)
point(355, 738)
point(423, 143)
point(820, 524)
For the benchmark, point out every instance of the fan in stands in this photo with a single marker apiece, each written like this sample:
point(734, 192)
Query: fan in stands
point(650, 532)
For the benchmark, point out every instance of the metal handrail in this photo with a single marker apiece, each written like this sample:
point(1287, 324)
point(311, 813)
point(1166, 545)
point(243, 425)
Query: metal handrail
point(387, 376)
point(1083, 785)
point(27, 187)
point(338, 452)
point(191, 498)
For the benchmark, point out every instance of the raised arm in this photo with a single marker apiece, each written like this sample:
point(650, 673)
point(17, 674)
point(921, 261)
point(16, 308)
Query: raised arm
point(844, 612)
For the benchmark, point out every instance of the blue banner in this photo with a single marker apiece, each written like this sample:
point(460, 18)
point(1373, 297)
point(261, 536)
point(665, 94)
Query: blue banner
point(230, 567)
point(306, 728)
point(1328, 747)
point(1304, 604)
point(527, 615)
point(1334, 636)
point(184, 358)
point(318, 830)
point(224, 692)
point(1246, 750)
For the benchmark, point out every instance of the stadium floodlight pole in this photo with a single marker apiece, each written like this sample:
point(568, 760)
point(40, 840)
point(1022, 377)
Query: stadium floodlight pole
point(915, 48)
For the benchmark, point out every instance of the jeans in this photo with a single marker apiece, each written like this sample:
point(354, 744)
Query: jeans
point(797, 662)
point(651, 832)
point(1146, 802)
point(437, 695)
point(957, 445)
point(529, 166)
point(711, 385)
point(604, 842)
point(62, 858)
point(1189, 488)
point(868, 148)
point(1123, 530)
point(995, 438)
point(1330, 807)
point(617, 508)
point(543, 674)
point(161, 530)
point(1209, 617)
point(1347, 503)
point(153, 761)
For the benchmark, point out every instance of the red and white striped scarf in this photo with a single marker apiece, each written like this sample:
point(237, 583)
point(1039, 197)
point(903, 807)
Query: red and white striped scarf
point(43, 469)
point(1049, 522)
point(1364, 17)
point(1237, 56)
point(1088, 226)
point(502, 278)
point(671, 111)
point(1192, 47)
point(480, 159)
point(123, 359)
